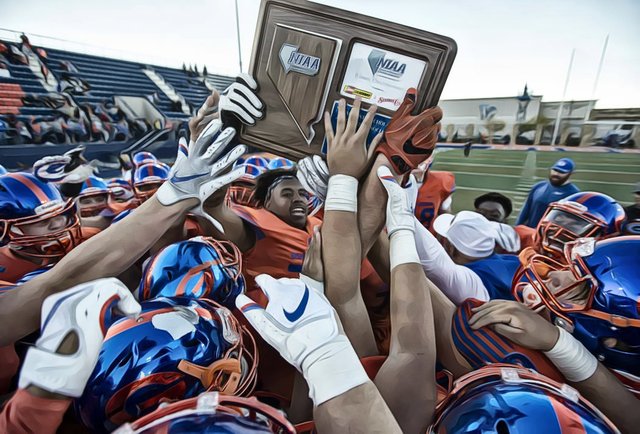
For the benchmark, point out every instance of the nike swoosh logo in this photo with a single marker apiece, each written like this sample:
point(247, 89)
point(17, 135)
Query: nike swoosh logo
point(297, 313)
point(408, 148)
point(176, 178)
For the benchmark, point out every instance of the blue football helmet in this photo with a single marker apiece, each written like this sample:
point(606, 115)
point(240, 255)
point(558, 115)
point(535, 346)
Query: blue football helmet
point(177, 348)
point(93, 189)
point(148, 178)
point(200, 268)
point(280, 163)
point(143, 157)
point(510, 399)
point(597, 301)
point(212, 413)
point(25, 201)
point(120, 190)
point(583, 214)
point(241, 190)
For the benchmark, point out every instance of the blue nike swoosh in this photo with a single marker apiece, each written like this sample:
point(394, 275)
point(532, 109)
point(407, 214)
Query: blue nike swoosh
point(297, 313)
point(176, 178)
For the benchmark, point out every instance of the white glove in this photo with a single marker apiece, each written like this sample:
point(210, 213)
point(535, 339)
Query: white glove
point(57, 168)
point(313, 174)
point(400, 221)
point(399, 209)
point(197, 170)
point(81, 310)
point(239, 99)
point(303, 327)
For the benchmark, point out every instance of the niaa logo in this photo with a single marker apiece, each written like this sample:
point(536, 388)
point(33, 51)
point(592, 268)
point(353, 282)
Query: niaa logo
point(389, 68)
point(292, 60)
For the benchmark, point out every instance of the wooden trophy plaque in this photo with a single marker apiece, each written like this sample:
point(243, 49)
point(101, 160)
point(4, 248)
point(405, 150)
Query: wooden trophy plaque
point(307, 56)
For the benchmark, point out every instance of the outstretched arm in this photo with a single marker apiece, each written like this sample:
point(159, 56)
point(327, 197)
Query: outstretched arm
point(196, 175)
point(407, 378)
point(344, 398)
point(347, 160)
point(583, 371)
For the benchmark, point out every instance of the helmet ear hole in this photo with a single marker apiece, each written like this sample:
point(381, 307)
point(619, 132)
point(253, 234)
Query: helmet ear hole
point(502, 427)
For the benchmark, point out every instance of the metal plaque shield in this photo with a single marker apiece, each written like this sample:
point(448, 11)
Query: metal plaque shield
point(307, 56)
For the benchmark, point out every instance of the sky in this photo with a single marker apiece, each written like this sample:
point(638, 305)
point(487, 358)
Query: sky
point(502, 44)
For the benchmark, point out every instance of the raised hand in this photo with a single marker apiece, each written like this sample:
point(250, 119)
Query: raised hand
point(399, 207)
point(300, 323)
point(79, 311)
point(313, 174)
point(346, 146)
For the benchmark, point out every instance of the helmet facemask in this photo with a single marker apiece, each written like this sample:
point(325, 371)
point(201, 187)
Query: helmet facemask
point(53, 245)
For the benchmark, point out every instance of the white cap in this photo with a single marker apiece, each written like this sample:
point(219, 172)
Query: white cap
point(506, 237)
point(469, 232)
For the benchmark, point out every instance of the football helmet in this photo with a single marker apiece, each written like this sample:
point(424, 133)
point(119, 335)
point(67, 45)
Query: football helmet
point(200, 268)
point(176, 349)
point(120, 189)
point(241, 191)
point(143, 157)
point(509, 399)
point(583, 214)
point(597, 299)
point(24, 201)
point(93, 187)
point(280, 163)
point(212, 413)
point(148, 178)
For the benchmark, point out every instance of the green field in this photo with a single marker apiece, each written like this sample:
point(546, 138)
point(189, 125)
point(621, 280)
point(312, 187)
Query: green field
point(513, 172)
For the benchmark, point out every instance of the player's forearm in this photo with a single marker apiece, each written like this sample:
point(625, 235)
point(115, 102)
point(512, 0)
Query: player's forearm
point(359, 410)
point(234, 227)
point(609, 395)
point(109, 253)
point(341, 257)
point(371, 207)
point(456, 282)
point(413, 349)
point(379, 257)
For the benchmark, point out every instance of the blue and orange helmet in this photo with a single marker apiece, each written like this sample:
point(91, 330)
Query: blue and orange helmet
point(597, 300)
point(120, 189)
point(148, 178)
point(143, 157)
point(241, 190)
point(212, 413)
point(176, 349)
point(280, 163)
point(26, 201)
point(93, 189)
point(201, 267)
point(583, 214)
point(510, 399)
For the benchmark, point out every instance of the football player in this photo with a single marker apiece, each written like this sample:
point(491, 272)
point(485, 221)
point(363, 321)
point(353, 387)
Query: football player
point(584, 214)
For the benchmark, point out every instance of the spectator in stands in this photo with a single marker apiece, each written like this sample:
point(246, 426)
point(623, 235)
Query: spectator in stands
point(204, 71)
point(68, 66)
point(4, 69)
point(633, 213)
point(497, 207)
point(545, 192)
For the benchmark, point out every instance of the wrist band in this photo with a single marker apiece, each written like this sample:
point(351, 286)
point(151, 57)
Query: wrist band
point(342, 194)
point(571, 358)
point(403, 248)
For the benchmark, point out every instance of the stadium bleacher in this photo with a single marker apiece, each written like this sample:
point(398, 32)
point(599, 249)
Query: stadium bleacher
point(26, 103)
